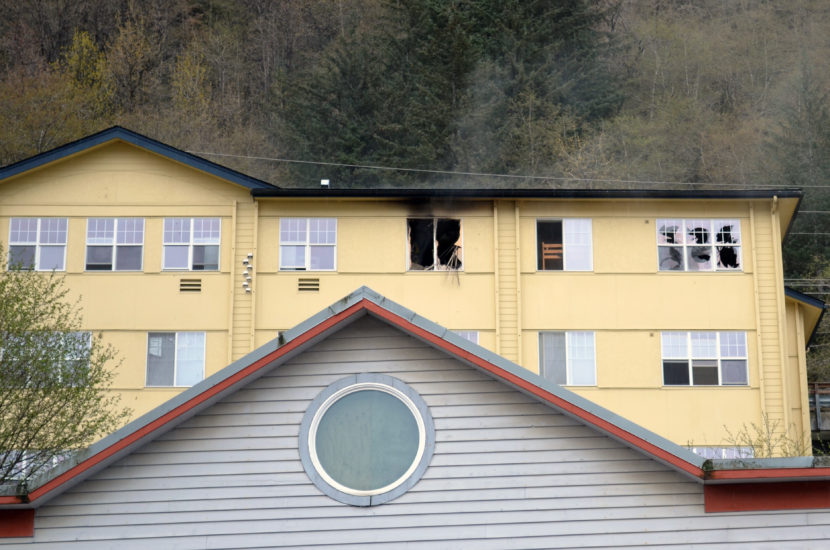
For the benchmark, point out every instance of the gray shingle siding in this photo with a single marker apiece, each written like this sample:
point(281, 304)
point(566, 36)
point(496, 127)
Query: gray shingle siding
point(508, 472)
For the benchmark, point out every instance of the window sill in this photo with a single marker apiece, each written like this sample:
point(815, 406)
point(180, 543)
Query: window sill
point(302, 271)
point(702, 272)
point(724, 387)
point(570, 271)
point(444, 271)
point(183, 271)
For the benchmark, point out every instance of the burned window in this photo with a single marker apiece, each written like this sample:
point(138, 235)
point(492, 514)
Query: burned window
point(434, 244)
point(564, 245)
point(699, 245)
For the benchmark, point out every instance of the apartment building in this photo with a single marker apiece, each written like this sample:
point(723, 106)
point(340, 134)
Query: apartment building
point(667, 307)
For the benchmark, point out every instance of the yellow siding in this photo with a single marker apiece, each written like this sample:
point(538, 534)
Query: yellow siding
point(507, 293)
point(767, 302)
point(499, 293)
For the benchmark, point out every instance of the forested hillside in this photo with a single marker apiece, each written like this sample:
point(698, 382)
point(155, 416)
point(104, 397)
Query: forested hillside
point(654, 93)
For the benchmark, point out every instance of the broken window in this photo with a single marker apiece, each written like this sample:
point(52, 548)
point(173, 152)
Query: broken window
point(564, 245)
point(704, 358)
point(434, 244)
point(699, 245)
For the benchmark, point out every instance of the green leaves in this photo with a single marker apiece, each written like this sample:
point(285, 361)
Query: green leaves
point(53, 376)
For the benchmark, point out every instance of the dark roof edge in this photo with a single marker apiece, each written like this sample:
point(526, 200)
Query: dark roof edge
point(117, 132)
point(812, 302)
point(530, 193)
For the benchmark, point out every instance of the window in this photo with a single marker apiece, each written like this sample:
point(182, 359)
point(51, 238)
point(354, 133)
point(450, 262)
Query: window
point(114, 244)
point(366, 439)
point(471, 335)
point(38, 243)
point(704, 359)
point(307, 244)
point(43, 359)
point(175, 358)
point(699, 245)
point(564, 245)
point(567, 358)
point(434, 244)
point(192, 243)
point(731, 452)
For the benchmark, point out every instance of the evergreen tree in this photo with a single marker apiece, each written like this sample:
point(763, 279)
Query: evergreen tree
point(471, 84)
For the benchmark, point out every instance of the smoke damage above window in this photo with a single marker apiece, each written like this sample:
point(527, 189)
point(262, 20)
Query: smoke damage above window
point(434, 244)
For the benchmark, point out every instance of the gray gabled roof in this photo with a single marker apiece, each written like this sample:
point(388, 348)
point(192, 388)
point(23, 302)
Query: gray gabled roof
point(365, 301)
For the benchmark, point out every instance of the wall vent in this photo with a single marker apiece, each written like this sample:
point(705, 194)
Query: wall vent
point(190, 285)
point(308, 285)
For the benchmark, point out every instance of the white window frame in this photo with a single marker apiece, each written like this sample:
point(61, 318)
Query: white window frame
point(306, 242)
point(575, 231)
point(570, 352)
point(114, 244)
point(175, 359)
point(469, 335)
point(37, 244)
point(717, 356)
point(719, 452)
point(435, 265)
point(191, 244)
point(685, 247)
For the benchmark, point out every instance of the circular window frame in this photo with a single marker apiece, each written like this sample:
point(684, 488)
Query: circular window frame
point(346, 386)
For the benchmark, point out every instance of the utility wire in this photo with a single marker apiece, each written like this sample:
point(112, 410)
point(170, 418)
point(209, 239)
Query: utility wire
point(489, 174)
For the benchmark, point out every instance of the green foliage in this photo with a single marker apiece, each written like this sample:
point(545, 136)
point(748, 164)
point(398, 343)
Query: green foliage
point(40, 111)
point(53, 377)
point(768, 440)
point(472, 85)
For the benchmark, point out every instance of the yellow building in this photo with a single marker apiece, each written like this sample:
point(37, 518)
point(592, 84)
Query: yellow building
point(667, 307)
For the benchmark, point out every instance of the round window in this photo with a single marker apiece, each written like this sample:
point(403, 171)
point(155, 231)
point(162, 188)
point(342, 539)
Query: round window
point(366, 439)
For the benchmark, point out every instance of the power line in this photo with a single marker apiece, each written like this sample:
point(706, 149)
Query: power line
point(489, 174)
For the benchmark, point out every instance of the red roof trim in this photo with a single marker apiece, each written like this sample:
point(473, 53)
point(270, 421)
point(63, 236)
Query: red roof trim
point(17, 523)
point(770, 473)
point(187, 406)
point(537, 391)
point(396, 320)
point(743, 497)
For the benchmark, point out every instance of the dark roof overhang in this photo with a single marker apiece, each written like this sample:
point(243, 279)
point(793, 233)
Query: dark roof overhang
point(117, 133)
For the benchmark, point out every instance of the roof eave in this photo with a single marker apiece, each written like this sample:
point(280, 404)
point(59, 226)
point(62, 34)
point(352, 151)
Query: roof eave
point(117, 133)
point(489, 193)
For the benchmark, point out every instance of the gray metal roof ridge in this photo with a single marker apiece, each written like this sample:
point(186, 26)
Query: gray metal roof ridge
point(533, 378)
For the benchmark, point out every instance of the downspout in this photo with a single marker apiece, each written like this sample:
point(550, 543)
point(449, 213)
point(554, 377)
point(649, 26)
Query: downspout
point(496, 252)
point(232, 288)
point(251, 345)
point(517, 251)
point(758, 343)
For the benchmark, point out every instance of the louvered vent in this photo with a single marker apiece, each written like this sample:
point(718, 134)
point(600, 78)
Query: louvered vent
point(190, 285)
point(308, 285)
